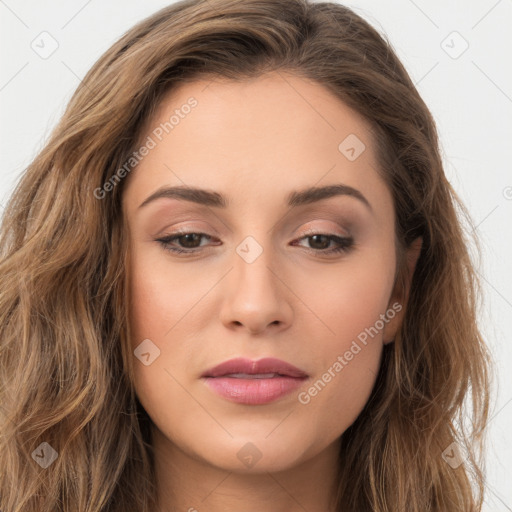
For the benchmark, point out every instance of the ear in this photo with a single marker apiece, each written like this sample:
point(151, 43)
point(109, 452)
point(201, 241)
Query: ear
point(400, 293)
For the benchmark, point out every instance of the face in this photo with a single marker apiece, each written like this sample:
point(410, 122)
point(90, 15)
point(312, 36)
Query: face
point(270, 269)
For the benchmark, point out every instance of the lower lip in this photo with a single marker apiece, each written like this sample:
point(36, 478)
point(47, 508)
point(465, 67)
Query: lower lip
point(253, 391)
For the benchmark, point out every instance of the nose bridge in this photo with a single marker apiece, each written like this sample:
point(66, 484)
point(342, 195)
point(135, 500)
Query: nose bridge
point(255, 297)
point(252, 264)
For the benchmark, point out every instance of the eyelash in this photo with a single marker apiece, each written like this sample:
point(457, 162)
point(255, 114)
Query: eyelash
point(345, 243)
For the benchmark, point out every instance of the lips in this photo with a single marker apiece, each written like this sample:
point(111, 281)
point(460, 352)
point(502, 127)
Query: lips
point(254, 382)
point(250, 368)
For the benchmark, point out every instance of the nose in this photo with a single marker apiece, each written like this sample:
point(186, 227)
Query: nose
point(256, 297)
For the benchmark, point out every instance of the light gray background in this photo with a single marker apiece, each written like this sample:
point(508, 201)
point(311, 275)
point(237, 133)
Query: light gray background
point(469, 93)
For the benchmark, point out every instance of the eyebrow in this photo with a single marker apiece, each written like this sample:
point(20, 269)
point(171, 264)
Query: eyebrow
point(294, 199)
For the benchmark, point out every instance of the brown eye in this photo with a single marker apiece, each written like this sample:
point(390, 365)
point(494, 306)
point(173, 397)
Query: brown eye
point(190, 240)
point(187, 242)
point(320, 242)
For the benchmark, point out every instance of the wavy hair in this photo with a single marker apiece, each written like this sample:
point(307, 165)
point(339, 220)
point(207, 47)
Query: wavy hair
point(66, 375)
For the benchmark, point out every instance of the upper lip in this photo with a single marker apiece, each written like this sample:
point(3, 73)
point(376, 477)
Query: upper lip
point(266, 365)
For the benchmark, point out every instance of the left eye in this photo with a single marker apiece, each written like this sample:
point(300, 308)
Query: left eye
point(189, 242)
point(344, 243)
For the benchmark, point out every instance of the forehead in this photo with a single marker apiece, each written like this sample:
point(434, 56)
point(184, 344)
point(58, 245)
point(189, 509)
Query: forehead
point(255, 139)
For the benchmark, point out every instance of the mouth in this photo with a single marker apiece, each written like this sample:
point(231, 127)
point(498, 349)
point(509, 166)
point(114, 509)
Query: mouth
point(254, 375)
point(248, 382)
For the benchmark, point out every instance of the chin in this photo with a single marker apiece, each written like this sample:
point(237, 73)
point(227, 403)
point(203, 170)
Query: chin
point(259, 453)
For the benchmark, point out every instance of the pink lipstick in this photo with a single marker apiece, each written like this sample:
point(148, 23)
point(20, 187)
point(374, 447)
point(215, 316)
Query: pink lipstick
point(250, 382)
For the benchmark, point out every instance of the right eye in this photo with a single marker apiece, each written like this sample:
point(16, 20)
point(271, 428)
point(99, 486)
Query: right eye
point(187, 240)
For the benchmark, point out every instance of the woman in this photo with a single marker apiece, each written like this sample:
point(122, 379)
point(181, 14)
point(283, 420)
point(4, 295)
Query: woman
point(235, 279)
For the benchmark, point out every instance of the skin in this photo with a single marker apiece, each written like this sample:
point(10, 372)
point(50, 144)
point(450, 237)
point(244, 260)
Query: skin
point(254, 142)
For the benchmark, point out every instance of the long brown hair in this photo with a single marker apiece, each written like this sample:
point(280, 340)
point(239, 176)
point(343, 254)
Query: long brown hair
point(65, 364)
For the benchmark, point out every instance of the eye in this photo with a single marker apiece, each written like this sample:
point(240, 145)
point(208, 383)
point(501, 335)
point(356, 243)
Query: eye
point(188, 239)
point(190, 242)
point(320, 243)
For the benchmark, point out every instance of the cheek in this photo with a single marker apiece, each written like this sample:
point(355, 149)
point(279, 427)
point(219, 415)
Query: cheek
point(160, 295)
point(159, 299)
point(349, 299)
point(152, 304)
point(348, 340)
